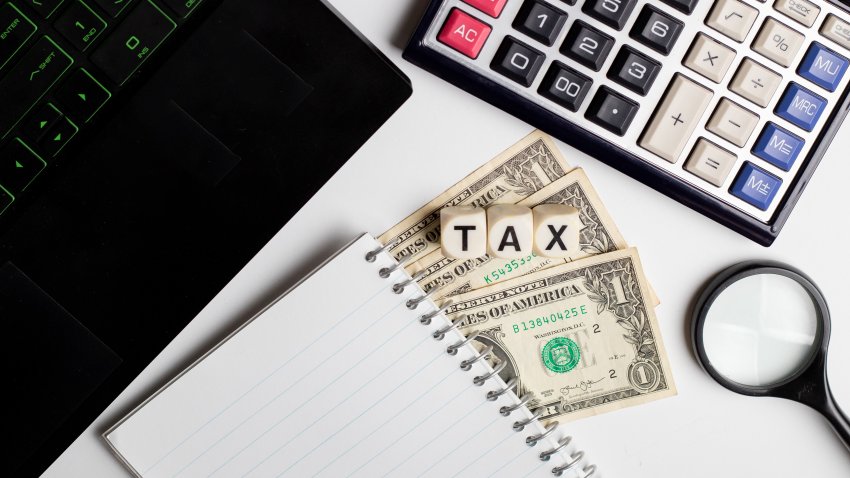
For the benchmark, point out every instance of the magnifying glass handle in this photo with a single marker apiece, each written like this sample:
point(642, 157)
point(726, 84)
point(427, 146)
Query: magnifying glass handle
point(837, 418)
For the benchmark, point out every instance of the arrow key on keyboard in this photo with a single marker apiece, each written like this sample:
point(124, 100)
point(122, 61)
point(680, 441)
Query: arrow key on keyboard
point(19, 165)
point(58, 136)
point(40, 122)
point(82, 96)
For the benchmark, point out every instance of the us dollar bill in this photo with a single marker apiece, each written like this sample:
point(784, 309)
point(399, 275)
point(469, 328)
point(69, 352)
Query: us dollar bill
point(581, 337)
point(598, 235)
point(524, 169)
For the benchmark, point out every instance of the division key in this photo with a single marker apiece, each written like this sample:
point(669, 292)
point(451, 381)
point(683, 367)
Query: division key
point(141, 32)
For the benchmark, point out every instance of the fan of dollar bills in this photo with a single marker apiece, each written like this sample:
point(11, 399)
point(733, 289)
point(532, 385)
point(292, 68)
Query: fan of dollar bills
point(578, 335)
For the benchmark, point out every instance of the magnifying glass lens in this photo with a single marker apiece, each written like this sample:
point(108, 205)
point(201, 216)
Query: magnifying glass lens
point(761, 330)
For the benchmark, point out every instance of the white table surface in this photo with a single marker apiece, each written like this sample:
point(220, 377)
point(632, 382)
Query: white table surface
point(439, 136)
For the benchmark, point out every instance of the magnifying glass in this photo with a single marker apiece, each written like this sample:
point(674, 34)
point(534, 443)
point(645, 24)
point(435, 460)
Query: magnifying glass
point(762, 329)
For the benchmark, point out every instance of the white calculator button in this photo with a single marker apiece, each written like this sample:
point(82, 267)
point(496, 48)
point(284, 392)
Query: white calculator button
point(778, 42)
point(755, 82)
point(710, 162)
point(837, 31)
point(709, 58)
point(732, 18)
point(675, 120)
point(799, 10)
point(732, 122)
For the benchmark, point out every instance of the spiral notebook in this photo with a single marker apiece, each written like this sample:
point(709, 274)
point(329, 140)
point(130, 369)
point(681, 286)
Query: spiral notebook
point(345, 375)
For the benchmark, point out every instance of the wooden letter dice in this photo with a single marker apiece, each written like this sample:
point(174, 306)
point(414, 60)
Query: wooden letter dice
point(463, 232)
point(556, 230)
point(509, 231)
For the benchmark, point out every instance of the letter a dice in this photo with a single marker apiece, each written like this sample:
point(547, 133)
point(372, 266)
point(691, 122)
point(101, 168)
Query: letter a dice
point(463, 232)
point(510, 229)
point(556, 230)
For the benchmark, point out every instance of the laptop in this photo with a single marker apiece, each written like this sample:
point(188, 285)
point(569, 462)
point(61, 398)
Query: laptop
point(149, 149)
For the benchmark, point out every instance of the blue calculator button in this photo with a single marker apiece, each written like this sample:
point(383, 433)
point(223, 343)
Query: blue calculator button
point(801, 107)
point(778, 147)
point(823, 67)
point(756, 186)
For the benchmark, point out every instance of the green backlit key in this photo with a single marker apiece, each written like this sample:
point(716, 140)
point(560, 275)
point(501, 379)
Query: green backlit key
point(30, 78)
point(80, 25)
point(6, 199)
point(39, 122)
point(15, 30)
point(113, 7)
point(182, 7)
point(19, 166)
point(45, 8)
point(141, 32)
point(58, 136)
point(81, 96)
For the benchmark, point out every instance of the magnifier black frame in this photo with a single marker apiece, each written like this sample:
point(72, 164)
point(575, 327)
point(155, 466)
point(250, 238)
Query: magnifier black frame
point(808, 385)
point(815, 367)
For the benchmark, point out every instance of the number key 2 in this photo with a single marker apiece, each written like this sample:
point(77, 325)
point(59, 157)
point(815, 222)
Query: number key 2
point(586, 45)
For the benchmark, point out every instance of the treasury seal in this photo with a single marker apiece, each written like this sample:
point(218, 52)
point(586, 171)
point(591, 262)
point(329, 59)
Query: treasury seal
point(560, 355)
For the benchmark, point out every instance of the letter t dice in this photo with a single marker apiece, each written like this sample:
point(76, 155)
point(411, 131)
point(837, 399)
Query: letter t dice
point(463, 232)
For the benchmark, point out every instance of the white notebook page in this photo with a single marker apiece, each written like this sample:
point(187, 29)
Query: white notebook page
point(336, 378)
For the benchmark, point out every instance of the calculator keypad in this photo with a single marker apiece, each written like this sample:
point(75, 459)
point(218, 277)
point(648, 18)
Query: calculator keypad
point(727, 95)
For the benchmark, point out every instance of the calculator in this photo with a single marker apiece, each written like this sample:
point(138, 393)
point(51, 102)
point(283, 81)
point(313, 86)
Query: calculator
point(724, 105)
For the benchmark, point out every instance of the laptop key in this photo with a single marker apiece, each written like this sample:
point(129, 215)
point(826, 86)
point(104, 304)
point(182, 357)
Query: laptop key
point(6, 198)
point(58, 137)
point(80, 25)
point(19, 166)
point(16, 29)
point(82, 96)
point(40, 122)
point(29, 80)
point(113, 7)
point(182, 7)
point(139, 35)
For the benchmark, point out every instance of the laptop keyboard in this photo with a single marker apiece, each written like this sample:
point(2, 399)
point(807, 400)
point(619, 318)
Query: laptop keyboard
point(727, 96)
point(61, 62)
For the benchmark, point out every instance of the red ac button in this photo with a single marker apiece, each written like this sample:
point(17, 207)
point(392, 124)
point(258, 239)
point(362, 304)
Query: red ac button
point(464, 33)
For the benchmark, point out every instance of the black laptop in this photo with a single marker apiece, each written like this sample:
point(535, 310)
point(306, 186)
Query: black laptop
point(149, 149)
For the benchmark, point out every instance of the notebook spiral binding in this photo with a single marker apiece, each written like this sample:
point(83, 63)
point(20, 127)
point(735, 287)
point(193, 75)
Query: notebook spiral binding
point(466, 365)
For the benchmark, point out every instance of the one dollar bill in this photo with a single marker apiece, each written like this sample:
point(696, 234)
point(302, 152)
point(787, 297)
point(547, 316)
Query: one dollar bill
point(598, 235)
point(524, 169)
point(582, 338)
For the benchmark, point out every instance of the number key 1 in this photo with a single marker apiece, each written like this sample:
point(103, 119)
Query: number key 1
point(540, 21)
